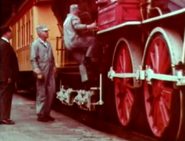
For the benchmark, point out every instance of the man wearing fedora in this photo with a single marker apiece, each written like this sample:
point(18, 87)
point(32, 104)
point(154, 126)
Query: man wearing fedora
point(9, 72)
point(43, 64)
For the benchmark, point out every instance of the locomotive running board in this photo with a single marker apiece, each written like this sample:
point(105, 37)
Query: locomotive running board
point(137, 23)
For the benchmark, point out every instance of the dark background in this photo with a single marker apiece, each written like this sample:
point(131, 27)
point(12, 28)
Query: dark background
point(7, 8)
point(60, 8)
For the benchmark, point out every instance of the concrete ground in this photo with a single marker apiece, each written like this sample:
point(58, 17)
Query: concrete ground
point(64, 128)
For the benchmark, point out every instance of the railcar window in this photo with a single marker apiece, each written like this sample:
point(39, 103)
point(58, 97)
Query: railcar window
point(19, 39)
point(22, 31)
point(22, 36)
point(26, 33)
point(29, 33)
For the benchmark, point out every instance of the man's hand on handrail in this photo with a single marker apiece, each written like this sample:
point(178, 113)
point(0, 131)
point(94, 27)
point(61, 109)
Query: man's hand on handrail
point(92, 26)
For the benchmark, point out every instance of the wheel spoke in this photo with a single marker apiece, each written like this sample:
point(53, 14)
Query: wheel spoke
point(116, 81)
point(166, 68)
point(164, 63)
point(161, 48)
point(166, 96)
point(152, 56)
point(122, 108)
point(121, 63)
point(129, 97)
point(152, 114)
point(156, 48)
point(127, 111)
point(164, 113)
point(120, 98)
point(124, 55)
point(158, 123)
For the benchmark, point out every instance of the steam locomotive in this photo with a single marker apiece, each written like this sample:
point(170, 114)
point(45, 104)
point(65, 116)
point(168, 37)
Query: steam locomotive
point(144, 51)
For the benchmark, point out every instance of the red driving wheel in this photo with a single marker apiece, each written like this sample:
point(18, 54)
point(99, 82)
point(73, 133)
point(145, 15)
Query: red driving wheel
point(123, 87)
point(160, 97)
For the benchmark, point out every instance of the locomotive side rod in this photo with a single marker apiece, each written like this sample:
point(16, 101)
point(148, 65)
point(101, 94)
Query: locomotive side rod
point(149, 74)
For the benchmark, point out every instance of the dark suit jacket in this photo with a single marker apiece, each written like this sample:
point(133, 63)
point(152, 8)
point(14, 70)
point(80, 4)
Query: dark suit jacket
point(8, 62)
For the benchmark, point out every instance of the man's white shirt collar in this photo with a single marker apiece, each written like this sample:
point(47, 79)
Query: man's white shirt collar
point(3, 38)
point(45, 43)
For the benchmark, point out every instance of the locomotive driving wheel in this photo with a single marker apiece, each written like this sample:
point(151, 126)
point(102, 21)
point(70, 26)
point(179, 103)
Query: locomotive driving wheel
point(124, 91)
point(163, 102)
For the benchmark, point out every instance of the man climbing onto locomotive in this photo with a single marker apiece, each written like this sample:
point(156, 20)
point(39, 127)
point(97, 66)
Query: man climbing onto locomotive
point(81, 45)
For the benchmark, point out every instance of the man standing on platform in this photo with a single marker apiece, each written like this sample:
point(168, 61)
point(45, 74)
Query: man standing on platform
point(9, 73)
point(43, 63)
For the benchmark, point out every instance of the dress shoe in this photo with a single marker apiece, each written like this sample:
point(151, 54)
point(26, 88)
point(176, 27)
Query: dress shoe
point(50, 118)
point(42, 119)
point(7, 121)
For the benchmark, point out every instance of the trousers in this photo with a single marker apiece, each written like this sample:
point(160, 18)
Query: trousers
point(88, 47)
point(45, 91)
point(85, 47)
point(6, 93)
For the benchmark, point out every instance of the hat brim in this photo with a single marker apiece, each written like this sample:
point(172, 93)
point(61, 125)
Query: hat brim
point(45, 29)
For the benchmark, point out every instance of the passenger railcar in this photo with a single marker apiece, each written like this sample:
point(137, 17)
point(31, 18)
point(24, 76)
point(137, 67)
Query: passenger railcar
point(23, 23)
point(142, 65)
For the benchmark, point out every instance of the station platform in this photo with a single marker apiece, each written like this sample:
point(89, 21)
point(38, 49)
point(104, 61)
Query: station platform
point(64, 128)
